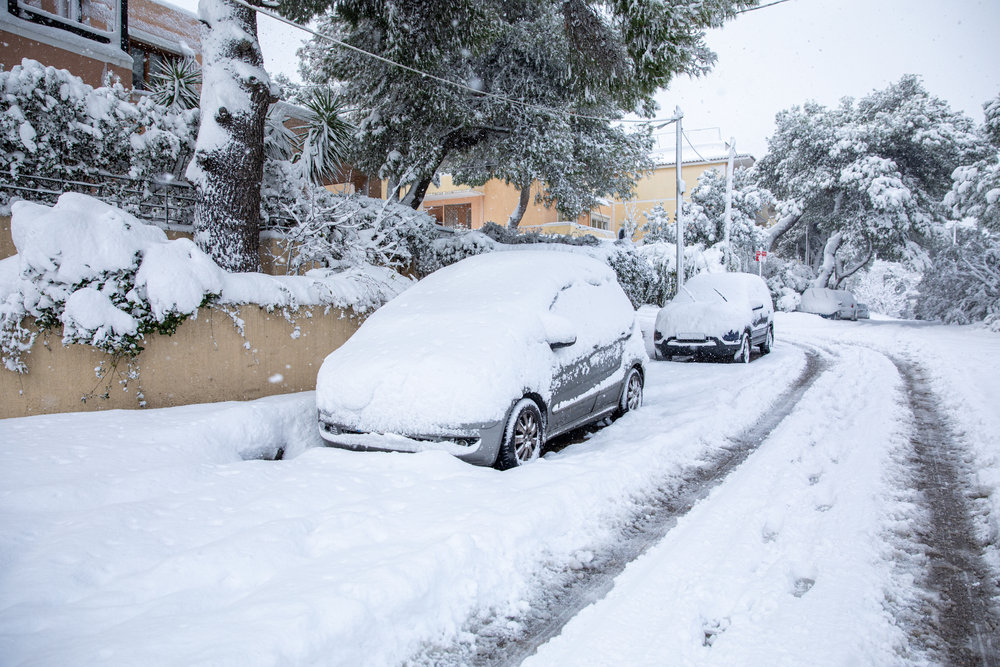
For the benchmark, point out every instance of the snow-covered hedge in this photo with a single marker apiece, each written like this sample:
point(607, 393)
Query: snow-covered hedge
point(108, 279)
point(53, 125)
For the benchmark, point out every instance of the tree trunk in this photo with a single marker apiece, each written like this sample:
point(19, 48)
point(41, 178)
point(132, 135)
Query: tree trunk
point(229, 153)
point(829, 260)
point(844, 275)
point(522, 206)
point(780, 227)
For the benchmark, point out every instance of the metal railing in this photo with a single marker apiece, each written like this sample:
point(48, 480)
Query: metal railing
point(168, 203)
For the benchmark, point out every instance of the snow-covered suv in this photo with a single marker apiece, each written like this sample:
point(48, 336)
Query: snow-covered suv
point(716, 315)
point(487, 359)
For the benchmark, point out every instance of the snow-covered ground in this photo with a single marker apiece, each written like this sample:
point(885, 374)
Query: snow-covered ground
point(164, 537)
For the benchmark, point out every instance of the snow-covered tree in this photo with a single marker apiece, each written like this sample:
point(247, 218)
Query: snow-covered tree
point(963, 284)
point(866, 177)
point(514, 62)
point(889, 288)
point(975, 192)
point(229, 157)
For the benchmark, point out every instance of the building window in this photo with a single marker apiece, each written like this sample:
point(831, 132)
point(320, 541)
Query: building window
point(146, 61)
point(93, 19)
point(598, 221)
point(453, 215)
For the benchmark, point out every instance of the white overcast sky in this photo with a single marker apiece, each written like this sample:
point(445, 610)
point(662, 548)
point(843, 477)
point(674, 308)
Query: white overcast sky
point(780, 56)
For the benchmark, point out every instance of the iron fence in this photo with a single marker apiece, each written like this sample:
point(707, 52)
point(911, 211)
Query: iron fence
point(168, 203)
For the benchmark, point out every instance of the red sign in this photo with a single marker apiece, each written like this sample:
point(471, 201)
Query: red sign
point(760, 255)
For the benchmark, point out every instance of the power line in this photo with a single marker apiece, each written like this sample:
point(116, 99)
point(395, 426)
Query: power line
point(426, 75)
point(688, 139)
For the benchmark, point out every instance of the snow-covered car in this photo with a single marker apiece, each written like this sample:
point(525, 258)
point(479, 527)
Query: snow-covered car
point(829, 303)
point(716, 315)
point(863, 312)
point(487, 359)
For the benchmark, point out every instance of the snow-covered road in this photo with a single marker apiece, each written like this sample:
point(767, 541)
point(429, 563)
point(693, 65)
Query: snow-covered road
point(163, 537)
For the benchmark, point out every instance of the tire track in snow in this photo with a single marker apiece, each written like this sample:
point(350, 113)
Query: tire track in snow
point(963, 624)
point(507, 641)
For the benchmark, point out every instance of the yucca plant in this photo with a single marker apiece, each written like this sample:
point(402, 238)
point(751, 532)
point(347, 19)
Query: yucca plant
point(177, 83)
point(328, 139)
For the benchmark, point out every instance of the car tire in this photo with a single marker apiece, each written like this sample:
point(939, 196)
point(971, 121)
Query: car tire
point(742, 356)
point(631, 397)
point(523, 436)
point(765, 347)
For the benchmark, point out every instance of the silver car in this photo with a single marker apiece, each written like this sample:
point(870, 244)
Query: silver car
point(487, 359)
point(718, 316)
point(829, 303)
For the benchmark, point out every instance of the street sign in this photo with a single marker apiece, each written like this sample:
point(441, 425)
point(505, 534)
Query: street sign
point(760, 255)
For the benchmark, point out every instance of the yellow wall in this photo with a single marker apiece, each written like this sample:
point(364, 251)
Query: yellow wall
point(204, 361)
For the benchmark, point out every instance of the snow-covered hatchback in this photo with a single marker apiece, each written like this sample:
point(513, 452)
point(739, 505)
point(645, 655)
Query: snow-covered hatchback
point(487, 359)
point(717, 315)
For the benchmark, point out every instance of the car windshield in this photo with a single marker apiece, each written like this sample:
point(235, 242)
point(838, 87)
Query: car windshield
point(709, 288)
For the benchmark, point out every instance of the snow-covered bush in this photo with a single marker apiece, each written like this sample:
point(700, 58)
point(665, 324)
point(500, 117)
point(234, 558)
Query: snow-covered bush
point(340, 231)
point(53, 125)
point(108, 279)
point(83, 265)
point(787, 279)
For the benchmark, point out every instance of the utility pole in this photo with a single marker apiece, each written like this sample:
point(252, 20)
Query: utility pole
point(678, 115)
point(729, 200)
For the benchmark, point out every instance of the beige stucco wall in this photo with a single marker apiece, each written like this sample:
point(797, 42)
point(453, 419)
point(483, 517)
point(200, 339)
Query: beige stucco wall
point(206, 360)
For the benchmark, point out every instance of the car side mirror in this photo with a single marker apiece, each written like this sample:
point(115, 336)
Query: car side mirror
point(559, 331)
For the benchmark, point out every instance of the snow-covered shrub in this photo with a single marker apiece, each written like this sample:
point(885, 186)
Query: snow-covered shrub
point(502, 234)
point(451, 248)
point(108, 279)
point(83, 265)
point(339, 231)
point(55, 126)
point(786, 279)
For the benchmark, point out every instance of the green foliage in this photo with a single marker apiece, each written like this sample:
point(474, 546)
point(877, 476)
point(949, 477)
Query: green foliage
point(177, 83)
point(540, 79)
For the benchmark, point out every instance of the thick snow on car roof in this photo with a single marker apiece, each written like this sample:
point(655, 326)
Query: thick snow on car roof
point(458, 346)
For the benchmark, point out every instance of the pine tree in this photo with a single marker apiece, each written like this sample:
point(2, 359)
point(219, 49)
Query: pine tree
point(229, 155)
point(533, 76)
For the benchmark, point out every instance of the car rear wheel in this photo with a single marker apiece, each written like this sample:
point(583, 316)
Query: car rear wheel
point(743, 355)
point(631, 397)
point(523, 436)
point(765, 347)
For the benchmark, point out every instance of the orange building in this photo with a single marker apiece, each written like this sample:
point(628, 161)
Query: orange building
point(91, 38)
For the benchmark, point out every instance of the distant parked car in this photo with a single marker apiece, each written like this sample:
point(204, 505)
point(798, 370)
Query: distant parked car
point(829, 303)
point(716, 315)
point(863, 311)
point(487, 359)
